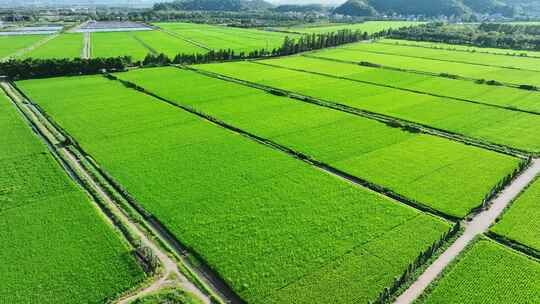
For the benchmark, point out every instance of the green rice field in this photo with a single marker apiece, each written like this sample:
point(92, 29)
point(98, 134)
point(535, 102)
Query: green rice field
point(370, 27)
point(360, 52)
point(414, 165)
point(276, 229)
point(515, 62)
point(489, 273)
point(221, 37)
point(115, 44)
point(167, 44)
point(500, 126)
point(521, 223)
point(63, 46)
point(462, 48)
point(56, 246)
point(9, 45)
point(502, 96)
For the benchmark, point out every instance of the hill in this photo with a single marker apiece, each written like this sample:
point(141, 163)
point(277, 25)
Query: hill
point(213, 5)
point(425, 7)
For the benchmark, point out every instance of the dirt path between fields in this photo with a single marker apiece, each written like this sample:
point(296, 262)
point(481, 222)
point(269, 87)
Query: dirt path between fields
point(170, 275)
point(86, 52)
point(478, 225)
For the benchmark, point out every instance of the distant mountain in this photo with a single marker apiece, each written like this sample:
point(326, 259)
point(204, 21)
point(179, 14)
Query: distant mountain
point(307, 8)
point(213, 5)
point(425, 7)
point(356, 8)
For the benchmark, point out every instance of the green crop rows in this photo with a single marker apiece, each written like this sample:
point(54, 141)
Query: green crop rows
point(370, 27)
point(56, 248)
point(276, 229)
point(63, 46)
point(489, 273)
point(521, 223)
point(500, 126)
point(459, 47)
point(416, 166)
point(169, 45)
point(472, 58)
point(220, 37)
point(357, 52)
point(9, 45)
point(115, 44)
point(511, 98)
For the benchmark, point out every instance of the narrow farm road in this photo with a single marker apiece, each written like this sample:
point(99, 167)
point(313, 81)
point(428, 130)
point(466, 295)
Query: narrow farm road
point(87, 46)
point(478, 225)
point(170, 275)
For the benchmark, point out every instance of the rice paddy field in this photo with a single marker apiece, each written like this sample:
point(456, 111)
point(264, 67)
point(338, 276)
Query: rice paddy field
point(489, 273)
point(500, 126)
point(501, 96)
point(276, 229)
point(370, 150)
point(441, 61)
point(462, 48)
point(521, 222)
point(9, 45)
point(115, 44)
point(221, 37)
point(56, 247)
point(369, 27)
point(63, 46)
point(292, 179)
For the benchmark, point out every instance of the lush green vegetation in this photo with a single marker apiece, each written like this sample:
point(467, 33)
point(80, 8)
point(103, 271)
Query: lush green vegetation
point(371, 27)
point(462, 47)
point(489, 273)
point(521, 223)
point(488, 94)
point(495, 125)
point(9, 45)
point(445, 175)
point(114, 44)
point(56, 247)
point(276, 229)
point(449, 55)
point(167, 44)
point(63, 46)
point(221, 37)
point(435, 66)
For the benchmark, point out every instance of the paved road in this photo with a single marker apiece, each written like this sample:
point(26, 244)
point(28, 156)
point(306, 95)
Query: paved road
point(477, 226)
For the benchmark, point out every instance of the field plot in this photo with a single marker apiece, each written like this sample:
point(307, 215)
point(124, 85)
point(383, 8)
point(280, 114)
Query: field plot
point(428, 169)
point(275, 228)
point(489, 273)
point(512, 76)
point(462, 48)
point(514, 62)
point(9, 45)
point(521, 223)
point(220, 37)
point(487, 94)
point(171, 46)
point(63, 46)
point(370, 27)
point(56, 248)
point(115, 44)
point(514, 129)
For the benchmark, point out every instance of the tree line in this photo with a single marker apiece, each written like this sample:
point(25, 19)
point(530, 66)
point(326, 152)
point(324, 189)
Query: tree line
point(484, 35)
point(38, 68)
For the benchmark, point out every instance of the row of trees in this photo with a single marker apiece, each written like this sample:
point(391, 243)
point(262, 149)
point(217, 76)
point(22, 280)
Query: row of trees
point(289, 47)
point(479, 36)
point(39, 68)
point(424, 256)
